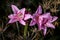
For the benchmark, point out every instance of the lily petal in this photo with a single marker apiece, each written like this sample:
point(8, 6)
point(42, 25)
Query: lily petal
point(22, 22)
point(46, 15)
point(40, 23)
point(50, 25)
point(11, 16)
point(14, 8)
point(12, 20)
point(45, 30)
point(39, 10)
point(27, 16)
point(54, 18)
point(33, 22)
point(39, 27)
point(23, 11)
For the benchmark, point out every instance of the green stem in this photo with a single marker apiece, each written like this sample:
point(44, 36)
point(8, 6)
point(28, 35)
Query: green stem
point(17, 27)
point(25, 31)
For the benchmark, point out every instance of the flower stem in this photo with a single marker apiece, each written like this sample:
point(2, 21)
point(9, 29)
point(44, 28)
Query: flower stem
point(17, 27)
point(2, 32)
point(25, 31)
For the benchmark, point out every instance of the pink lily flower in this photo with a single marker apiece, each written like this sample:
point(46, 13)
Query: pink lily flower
point(35, 16)
point(19, 15)
point(46, 21)
point(43, 21)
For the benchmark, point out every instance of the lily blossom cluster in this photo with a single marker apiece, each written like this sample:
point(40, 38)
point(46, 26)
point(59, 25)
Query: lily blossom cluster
point(42, 20)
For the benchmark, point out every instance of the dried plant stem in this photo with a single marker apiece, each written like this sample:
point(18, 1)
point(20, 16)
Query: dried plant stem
point(5, 28)
point(17, 27)
point(44, 5)
point(55, 6)
point(35, 36)
point(2, 31)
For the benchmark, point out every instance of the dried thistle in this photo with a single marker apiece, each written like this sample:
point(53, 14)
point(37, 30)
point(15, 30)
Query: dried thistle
point(51, 4)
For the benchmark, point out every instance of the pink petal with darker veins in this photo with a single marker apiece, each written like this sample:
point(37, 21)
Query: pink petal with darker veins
point(22, 22)
point(23, 11)
point(27, 16)
point(12, 20)
point(54, 18)
point(50, 25)
point(14, 8)
point(33, 22)
point(11, 16)
point(39, 10)
point(46, 15)
point(40, 21)
point(44, 31)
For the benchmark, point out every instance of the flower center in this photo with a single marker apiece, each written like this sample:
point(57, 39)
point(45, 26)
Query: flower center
point(19, 16)
point(37, 17)
point(45, 20)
